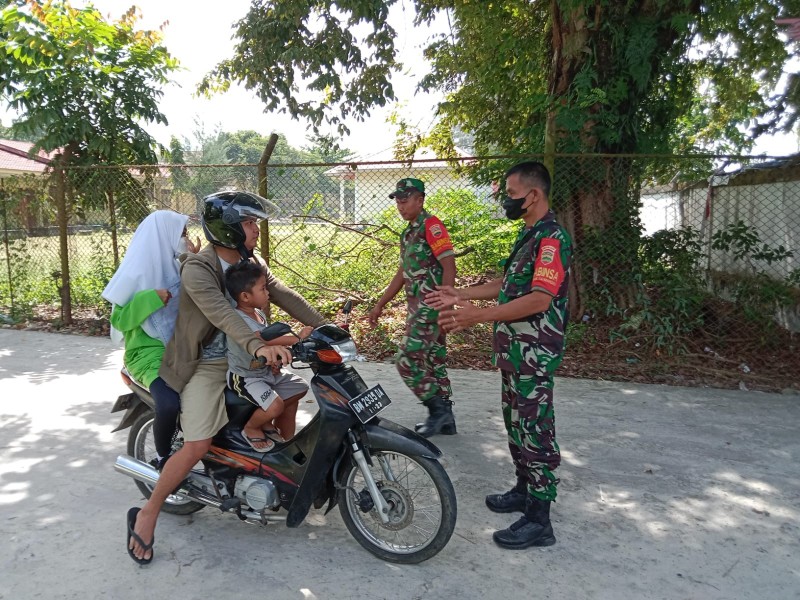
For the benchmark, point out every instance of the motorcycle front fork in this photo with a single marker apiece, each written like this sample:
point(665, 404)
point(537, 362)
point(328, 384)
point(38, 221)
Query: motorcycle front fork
point(374, 492)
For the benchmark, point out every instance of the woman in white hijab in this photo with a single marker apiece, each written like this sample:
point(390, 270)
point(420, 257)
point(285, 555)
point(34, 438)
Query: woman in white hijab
point(144, 293)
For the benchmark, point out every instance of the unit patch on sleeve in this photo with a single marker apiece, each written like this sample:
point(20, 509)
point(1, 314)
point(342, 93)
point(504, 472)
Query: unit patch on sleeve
point(548, 272)
point(437, 237)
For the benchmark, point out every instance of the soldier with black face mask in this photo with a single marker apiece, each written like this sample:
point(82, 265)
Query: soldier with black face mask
point(530, 320)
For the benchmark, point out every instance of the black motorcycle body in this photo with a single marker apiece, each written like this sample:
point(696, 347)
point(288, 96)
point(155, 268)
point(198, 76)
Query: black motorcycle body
point(364, 467)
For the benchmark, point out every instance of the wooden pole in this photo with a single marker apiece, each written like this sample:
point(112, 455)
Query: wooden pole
point(263, 190)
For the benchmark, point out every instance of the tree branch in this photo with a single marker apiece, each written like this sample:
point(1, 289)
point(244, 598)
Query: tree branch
point(353, 229)
point(346, 293)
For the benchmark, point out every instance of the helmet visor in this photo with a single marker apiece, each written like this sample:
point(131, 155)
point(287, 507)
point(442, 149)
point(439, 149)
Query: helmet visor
point(247, 213)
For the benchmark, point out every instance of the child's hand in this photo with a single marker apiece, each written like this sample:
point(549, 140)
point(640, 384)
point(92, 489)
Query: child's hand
point(305, 332)
point(194, 248)
point(164, 295)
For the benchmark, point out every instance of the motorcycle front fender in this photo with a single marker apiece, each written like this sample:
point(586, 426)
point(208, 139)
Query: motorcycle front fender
point(389, 436)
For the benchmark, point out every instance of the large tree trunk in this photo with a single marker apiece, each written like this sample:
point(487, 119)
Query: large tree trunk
point(597, 199)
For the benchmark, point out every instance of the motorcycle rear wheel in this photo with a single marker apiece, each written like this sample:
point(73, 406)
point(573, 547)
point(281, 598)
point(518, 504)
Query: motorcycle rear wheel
point(422, 507)
point(142, 447)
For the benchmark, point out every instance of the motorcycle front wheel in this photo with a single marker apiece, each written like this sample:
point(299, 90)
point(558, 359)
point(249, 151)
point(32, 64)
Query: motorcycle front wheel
point(421, 501)
point(142, 447)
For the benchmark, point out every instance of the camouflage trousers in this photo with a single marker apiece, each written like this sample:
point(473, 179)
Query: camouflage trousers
point(527, 402)
point(422, 355)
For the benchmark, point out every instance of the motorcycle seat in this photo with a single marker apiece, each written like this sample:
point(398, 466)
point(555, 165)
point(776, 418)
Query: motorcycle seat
point(239, 409)
point(127, 374)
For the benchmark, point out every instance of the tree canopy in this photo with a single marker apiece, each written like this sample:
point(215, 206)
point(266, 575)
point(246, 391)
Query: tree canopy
point(602, 76)
point(242, 150)
point(87, 85)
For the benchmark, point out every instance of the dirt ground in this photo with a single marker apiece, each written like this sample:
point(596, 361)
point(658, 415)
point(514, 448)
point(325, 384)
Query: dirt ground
point(666, 493)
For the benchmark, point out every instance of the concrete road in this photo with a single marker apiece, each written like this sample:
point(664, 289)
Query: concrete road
point(666, 493)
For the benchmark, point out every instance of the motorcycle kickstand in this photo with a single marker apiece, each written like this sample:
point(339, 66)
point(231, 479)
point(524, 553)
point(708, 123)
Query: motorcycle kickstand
point(377, 497)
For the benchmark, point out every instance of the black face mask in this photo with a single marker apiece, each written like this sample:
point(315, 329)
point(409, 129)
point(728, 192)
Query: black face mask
point(513, 207)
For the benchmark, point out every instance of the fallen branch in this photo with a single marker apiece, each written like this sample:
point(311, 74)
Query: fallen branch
point(353, 229)
point(317, 286)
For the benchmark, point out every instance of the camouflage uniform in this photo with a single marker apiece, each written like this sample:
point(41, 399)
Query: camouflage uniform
point(529, 350)
point(421, 357)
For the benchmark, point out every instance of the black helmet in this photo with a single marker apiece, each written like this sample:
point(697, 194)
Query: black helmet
point(222, 215)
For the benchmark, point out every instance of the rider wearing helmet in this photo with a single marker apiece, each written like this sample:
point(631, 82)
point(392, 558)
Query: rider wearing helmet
point(195, 363)
point(222, 217)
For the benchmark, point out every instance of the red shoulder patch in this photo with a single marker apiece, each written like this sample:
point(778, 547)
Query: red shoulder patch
point(548, 272)
point(437, 237)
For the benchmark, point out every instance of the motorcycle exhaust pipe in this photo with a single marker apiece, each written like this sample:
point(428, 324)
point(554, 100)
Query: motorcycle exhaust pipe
point(127, 465)
point(136, 469)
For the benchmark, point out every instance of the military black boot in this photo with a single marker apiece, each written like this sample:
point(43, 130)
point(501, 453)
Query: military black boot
point(440, 418)
point(511, 501)
point(533, 529)
point(419, 426)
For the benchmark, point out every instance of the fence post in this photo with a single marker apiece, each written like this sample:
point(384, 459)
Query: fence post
point(262, 191)
point(63, 235)
point(4, 200)
point(112, 213)
point(549, 158)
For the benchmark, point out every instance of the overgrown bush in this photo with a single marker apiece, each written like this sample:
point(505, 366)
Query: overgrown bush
point(480, 237)
point(758, 294)
point(88, 283)
point(363, 262)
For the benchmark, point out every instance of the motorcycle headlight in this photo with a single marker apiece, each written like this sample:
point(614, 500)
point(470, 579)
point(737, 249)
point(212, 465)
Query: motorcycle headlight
point(347, 350)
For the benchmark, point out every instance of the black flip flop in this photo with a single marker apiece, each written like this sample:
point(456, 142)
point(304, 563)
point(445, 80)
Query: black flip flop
point(132, 513)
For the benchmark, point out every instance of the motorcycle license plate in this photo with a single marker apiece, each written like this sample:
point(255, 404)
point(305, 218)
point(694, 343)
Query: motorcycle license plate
point(370, 403)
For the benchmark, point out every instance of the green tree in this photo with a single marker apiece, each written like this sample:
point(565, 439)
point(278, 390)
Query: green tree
point(13, 133)
point(580, 76)
point(291, 187)
point(87, 87)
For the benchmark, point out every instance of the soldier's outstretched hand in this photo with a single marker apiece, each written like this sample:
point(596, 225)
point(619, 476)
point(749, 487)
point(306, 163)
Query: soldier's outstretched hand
point(445, 296)
point(456, 319)
point(374, 315)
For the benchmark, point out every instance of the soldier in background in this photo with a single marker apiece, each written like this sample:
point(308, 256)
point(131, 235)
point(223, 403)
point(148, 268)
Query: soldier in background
point(426, 261)
point(530, 319)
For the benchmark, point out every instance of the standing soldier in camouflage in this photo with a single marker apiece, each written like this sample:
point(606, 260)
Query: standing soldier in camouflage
point(426, 261)
point(530, 319)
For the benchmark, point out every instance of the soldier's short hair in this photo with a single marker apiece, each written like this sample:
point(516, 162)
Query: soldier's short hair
point(242, 276)
point(533, 173)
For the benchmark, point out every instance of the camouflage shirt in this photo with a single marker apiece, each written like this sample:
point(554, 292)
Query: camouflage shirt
point(422, 243)
point(534, 345)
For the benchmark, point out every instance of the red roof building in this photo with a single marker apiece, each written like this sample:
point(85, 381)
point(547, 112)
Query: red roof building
point(16, 160)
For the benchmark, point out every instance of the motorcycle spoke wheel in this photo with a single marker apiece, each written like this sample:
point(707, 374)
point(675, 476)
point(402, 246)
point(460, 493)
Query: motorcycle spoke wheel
point(421, 503)
point(142, 447)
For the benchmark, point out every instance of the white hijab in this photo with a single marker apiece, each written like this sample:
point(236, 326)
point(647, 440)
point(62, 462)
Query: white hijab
point(150, 263)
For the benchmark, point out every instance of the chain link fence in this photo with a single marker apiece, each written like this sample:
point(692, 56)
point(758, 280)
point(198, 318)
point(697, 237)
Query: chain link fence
point(674, 255)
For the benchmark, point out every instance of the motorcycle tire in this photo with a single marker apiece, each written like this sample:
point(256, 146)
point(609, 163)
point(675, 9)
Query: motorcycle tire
point(142, 447)
point(422, 507)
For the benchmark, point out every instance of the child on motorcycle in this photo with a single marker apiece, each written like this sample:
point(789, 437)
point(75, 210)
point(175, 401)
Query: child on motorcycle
point(275, 392)
point(143, 292)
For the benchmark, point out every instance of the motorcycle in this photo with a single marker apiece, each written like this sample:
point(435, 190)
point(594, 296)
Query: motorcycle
point(394, 496)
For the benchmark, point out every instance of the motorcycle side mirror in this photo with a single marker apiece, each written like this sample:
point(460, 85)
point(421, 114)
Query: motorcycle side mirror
point(276, 330)
point(346, 310)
